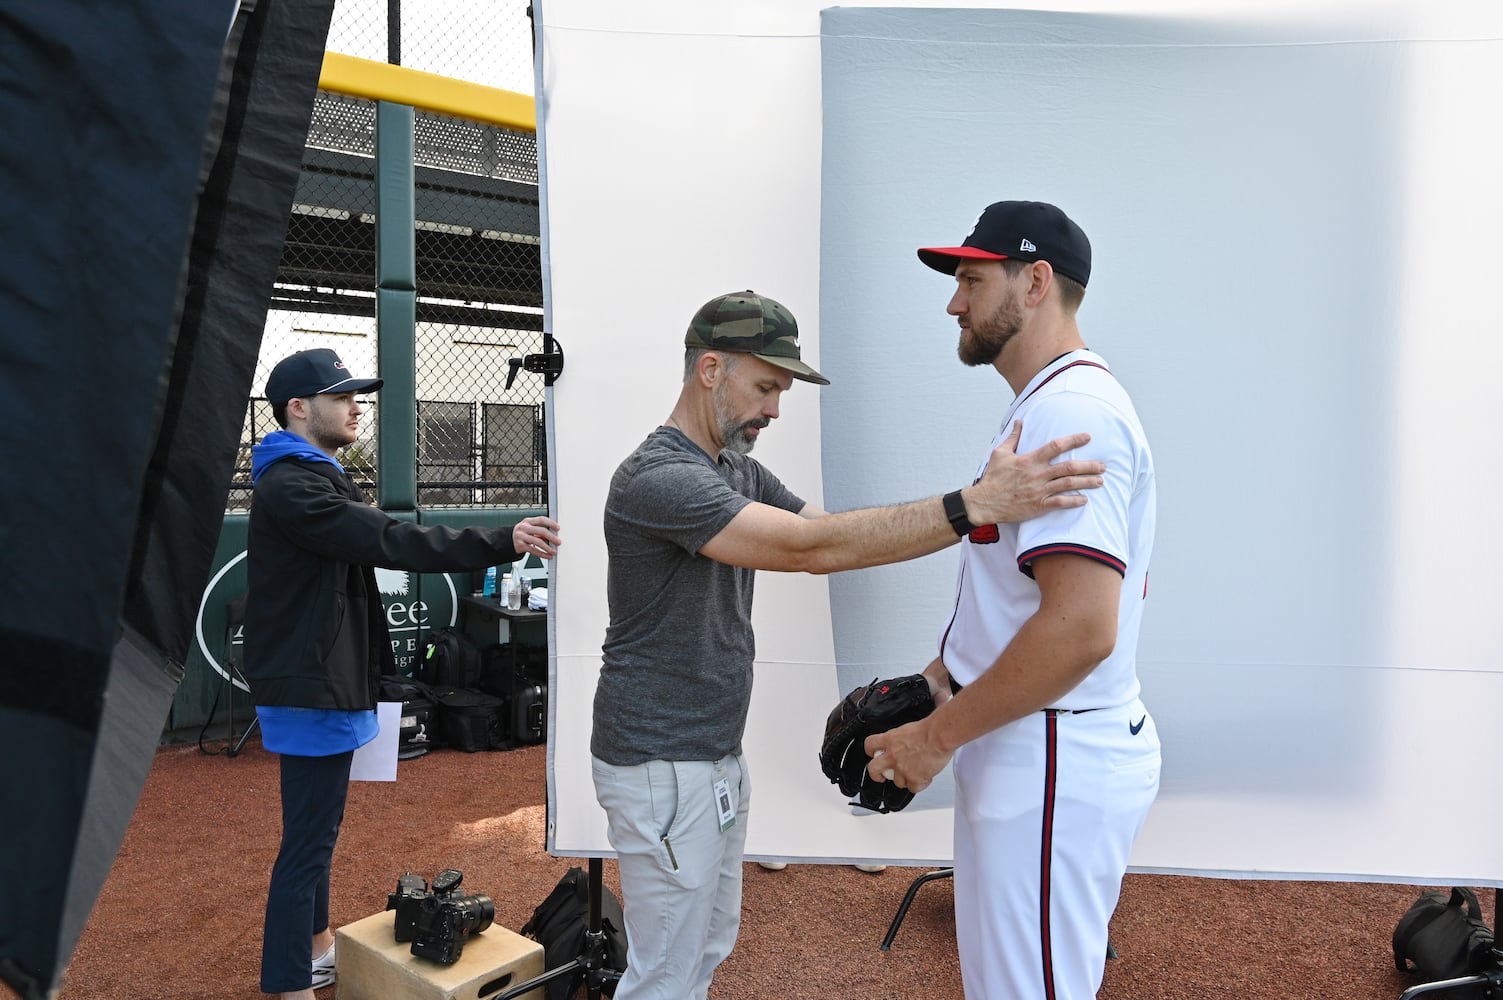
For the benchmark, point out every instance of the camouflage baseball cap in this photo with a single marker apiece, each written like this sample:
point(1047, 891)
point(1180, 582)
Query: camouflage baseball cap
point(748, 323)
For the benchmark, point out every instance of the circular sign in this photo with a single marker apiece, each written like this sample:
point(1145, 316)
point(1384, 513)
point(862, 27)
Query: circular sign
point(407, 615)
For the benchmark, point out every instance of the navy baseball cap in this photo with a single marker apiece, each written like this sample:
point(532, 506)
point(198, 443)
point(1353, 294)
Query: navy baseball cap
point(1020, 230)
point(313, 373)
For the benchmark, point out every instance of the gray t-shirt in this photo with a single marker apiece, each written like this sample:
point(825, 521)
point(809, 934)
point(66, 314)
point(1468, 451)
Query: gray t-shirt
point(676, 679)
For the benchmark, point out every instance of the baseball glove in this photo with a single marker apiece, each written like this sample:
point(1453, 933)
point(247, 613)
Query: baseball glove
point(875, 708)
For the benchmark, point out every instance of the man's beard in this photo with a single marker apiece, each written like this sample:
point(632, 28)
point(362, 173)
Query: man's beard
point(983, 342)
point(326, 434)
point(733, 431)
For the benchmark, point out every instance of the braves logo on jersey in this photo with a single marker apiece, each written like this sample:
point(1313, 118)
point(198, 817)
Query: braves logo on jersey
point(986, 534)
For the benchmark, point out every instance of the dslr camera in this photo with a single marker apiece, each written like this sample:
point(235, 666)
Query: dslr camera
point(438, 920)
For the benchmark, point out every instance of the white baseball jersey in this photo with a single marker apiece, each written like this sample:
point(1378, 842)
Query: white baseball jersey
point(995, 591)
point(1047, 807)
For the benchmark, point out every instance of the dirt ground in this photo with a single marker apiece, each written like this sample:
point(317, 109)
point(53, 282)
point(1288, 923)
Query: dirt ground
point(180, 916)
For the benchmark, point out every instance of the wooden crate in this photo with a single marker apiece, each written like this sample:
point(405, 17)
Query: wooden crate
point(371, 965)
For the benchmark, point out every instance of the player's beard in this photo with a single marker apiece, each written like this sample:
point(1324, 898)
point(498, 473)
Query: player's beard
point(982, 342)
point(732, 429)
point(328, 433)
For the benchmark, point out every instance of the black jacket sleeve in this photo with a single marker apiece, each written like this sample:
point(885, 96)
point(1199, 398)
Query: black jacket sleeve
point(315, 631)
point(306, 502)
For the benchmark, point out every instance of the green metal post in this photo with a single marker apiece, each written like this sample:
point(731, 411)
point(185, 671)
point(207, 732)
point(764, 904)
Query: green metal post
point(396, 309)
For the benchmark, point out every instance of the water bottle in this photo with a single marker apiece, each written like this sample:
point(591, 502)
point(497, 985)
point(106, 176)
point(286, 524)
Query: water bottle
point(512, 591)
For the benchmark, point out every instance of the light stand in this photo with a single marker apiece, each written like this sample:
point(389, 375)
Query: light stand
point(592, 960)
point(1491, 980)
point(234, 617)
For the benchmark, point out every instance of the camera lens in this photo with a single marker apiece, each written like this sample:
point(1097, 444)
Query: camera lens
point(479, 912)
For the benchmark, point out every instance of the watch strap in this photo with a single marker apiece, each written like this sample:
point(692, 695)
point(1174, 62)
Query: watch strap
point(955, 512)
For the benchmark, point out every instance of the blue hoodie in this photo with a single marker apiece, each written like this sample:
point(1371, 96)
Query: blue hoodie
point(306, 732)
point(284, 444)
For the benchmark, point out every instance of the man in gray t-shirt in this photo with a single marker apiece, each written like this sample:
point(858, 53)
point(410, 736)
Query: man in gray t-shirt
point(689, 518)
point(656, 699)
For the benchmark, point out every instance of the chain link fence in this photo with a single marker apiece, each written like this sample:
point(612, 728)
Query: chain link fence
point(483, 41)
point(481, 296)
point(480, 434)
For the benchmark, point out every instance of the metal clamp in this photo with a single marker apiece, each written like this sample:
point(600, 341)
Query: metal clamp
point(549, 364)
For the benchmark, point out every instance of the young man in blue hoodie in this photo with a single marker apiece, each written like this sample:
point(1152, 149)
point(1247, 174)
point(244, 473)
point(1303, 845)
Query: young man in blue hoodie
point(316, 642)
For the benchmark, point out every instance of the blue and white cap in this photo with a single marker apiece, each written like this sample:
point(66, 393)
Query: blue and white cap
point(313, 373)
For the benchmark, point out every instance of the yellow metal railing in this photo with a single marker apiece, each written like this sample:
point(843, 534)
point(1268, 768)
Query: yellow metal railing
point(378, 81)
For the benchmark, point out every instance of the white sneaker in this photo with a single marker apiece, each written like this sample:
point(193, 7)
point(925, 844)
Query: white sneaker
point(871, 868)
point(773, 866)
point(323, 969)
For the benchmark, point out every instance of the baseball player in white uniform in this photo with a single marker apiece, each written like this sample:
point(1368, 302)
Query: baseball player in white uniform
point(1056, 759)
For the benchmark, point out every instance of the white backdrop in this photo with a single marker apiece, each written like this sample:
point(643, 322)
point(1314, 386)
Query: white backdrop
point(1292, 218)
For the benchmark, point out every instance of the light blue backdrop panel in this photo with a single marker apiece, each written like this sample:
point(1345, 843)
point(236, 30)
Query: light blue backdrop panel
point(1239, 187)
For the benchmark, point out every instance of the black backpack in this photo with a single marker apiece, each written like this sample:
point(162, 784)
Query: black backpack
point(1444, 937)
point(473, 720)
point(558, 924)
point(451, 659)
point(506, 668)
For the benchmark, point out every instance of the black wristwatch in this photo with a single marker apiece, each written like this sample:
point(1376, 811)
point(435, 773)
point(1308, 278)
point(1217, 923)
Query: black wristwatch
point(955, 511)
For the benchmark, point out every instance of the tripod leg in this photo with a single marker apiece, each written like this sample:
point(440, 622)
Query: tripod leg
point(235, 749)
point(1443, 984)
point(897, 920)
point(228, 689)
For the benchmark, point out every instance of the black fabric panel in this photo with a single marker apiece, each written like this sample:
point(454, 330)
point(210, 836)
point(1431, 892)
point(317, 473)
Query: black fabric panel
point(135, 702)
point(117, 385)
point(237, 244)
point(105, 108)
point(46, 674)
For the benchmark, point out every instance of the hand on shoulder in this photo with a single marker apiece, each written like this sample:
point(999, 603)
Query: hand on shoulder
point(1019, 487)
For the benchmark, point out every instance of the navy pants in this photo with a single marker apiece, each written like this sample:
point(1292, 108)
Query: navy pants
point(297, 904)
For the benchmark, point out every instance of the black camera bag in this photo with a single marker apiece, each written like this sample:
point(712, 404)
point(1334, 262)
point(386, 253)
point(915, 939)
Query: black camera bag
point(559, 922)
point(451, 659)
point(419, 726)
point(1444, 937)
point(473, 720)
point(529, 714)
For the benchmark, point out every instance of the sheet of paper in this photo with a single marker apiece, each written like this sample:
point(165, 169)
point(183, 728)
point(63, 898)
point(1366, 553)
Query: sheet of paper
point(377, 760)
